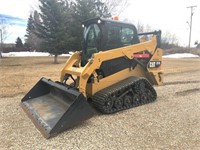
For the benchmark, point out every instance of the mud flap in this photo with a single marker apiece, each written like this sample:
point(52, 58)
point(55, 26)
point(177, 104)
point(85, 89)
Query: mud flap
point(53, 107)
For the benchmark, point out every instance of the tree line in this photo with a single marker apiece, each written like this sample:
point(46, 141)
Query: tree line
point(56, 28)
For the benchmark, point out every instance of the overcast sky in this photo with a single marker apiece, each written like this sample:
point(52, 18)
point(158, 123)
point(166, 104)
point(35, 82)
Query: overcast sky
point(167, 15)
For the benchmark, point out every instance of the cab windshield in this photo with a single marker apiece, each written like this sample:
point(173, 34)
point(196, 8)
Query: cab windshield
point(91, 40)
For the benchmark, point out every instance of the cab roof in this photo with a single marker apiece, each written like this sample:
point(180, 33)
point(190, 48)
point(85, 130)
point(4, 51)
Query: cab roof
point(95, 20)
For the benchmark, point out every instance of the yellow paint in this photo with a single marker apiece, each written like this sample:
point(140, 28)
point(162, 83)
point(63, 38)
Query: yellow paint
point(154, 75)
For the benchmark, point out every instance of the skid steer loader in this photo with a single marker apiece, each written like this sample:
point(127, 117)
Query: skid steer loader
point(114, 71)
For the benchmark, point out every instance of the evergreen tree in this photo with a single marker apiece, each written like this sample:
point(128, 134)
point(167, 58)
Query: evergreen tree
point(30, 24)
point(32, 41)
point(18, 43)
point(53, 28)
point(82, 10)
point(87, 9)
point(59, 27)
point(29, 33)
point(101, 9)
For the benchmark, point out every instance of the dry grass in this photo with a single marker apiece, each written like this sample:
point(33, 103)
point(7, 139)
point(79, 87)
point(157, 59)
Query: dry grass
point(18, 75)
point(171, 66)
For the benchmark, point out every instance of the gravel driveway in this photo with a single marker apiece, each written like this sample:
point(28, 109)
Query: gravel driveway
point(171, 122)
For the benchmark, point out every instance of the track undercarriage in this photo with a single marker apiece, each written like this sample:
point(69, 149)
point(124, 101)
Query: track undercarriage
point(131, 92)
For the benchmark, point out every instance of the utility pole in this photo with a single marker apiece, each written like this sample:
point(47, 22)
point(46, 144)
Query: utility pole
point(190, 24)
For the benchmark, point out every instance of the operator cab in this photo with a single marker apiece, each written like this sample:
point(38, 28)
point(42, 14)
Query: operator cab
point(103, 34)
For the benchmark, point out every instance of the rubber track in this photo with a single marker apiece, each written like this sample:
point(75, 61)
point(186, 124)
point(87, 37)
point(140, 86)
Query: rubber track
point(131, 84)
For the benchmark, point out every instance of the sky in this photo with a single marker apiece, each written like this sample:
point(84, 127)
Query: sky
point(15, 13)
point(166, 15)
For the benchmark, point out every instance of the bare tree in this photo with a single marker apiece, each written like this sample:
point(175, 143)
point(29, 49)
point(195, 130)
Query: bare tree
point(141, 28)
point(1, 43)
point(169, 38)
point(116, 7)
point(3, 34)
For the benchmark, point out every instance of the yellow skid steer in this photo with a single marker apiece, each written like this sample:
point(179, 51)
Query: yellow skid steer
point(114, 71)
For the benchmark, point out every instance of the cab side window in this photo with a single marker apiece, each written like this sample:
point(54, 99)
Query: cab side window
point(127, 36)
point(119, 36)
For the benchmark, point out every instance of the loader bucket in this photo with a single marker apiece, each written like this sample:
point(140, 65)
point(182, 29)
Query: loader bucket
point(53, 107)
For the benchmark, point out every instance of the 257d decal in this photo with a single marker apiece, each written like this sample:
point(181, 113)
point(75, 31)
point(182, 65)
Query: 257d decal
point(154, 64)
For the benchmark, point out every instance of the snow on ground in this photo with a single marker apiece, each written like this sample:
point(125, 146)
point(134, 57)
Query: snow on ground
point(181, 55)
point(28, 54)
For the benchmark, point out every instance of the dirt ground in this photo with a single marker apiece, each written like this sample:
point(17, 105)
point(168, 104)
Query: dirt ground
point(171, 122)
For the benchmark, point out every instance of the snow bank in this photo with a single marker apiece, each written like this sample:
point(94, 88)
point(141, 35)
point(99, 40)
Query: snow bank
point(28, 54)
point(65, 55)
point(181, 55)
point(24, 54)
